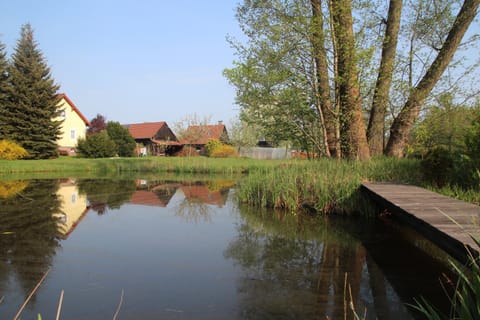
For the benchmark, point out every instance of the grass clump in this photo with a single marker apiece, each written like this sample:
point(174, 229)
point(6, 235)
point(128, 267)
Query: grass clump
point(324, 185)
point(466, 293)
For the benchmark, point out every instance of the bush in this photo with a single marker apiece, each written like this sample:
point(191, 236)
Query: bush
point(442, 167)
point(211, 146)
point(10, 150)
point(187, 151)
point(224, 151)
point(97, 145)
point(122, 138)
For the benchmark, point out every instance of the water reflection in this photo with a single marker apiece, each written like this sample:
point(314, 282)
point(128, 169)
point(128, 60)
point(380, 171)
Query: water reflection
point(73, 207)
point(301, 267)
point(104, 194)
point(189, 242)
point(28, 231)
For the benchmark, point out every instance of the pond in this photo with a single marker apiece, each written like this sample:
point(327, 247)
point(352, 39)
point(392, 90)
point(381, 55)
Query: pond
point(188, 250)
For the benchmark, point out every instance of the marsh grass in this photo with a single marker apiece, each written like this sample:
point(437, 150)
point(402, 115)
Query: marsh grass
point(323, 185)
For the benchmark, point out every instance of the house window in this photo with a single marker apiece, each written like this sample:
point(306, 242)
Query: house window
point(73, 134)
point(62, 114)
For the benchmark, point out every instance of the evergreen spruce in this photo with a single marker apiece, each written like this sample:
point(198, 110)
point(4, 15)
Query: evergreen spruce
point(28, 117)
point(3, 86)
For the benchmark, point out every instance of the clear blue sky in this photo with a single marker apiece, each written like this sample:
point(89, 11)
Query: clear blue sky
point(134, 60)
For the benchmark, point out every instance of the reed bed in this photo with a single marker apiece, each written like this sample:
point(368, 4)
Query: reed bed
point(323, 185)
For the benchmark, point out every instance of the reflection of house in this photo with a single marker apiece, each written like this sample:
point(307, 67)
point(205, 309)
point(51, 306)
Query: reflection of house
point(72, 209)
point(201, 194)
point(198, 136)
point(151, 194)
point(74, 125)
point(153, 138)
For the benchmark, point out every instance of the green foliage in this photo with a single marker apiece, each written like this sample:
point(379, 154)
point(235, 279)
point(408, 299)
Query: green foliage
point(10, 150)
point(444, 125)
point(3, 77)
point(473, 139)
point(326, 185)
point(122, 138)
point(27, 117)
point(104, 194)
point(211, 146)
point(442, 167)
point(97, 145)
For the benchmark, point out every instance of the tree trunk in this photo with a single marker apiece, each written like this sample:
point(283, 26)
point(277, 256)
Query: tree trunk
point(403, 123)
point(376, 124)
point(353, 133)
point(323, 85)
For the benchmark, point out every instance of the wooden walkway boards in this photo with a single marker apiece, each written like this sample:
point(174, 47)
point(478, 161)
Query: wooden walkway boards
point(447, 222)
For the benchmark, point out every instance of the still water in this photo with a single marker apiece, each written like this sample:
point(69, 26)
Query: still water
point(172, 250)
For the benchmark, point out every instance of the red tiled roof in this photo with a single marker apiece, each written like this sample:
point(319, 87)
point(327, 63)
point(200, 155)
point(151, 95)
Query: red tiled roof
point(201, 134)
point(201, 194)
point(145, 130)
point(146, 198)
point(74, 107)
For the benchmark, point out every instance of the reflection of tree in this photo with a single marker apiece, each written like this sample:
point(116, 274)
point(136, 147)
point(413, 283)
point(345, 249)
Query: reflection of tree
point(195, 212)
point(295, 267)
point(198, 196)
point(106, 194)
point(28, 232)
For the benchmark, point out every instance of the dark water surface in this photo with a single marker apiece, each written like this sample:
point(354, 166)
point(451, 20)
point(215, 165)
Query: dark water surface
point(170, 250)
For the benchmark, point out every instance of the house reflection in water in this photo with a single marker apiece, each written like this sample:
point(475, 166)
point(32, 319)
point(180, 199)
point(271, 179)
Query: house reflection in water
point(200, 193)
point(73, 208)
point(153, 193)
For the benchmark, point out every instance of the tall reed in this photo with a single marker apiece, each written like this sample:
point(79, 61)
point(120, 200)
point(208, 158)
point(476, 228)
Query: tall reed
point(323, 185)
point(465, 300)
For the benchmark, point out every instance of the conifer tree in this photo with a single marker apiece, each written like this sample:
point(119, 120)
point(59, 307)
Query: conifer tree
point(28, 117)
point(3, 84)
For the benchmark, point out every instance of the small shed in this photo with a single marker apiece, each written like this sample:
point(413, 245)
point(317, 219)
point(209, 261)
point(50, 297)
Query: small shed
point(153, 138)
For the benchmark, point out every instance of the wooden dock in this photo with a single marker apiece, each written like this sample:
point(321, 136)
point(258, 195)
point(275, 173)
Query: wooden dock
point(447, 222)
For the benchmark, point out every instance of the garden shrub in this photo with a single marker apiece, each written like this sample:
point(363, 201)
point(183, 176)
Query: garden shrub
point(10, 150)
point(442, 167)
point(97, 145)
point(224, 151)
point(438, 166)
point(211, 146)
point(187, 151)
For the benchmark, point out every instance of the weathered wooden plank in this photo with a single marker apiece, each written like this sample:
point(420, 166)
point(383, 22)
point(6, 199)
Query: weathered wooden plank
point(448, 222)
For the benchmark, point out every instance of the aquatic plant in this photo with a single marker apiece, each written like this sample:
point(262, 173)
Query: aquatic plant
point(466, 295)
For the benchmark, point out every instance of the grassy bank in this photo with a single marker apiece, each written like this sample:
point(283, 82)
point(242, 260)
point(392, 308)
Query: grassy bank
point(322, 185)
point(193, 165)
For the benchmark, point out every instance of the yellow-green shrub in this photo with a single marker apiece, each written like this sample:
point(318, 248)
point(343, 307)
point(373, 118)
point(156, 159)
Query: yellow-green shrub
point(224, 151)
point(10, 150)
point(211, 146)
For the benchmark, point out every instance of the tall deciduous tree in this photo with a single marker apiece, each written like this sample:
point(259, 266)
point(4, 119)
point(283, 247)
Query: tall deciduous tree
point(403, 123)
point(305, 63)
point(353, 134)
point(329, 116)
point(376, 124)
point(28, 116)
